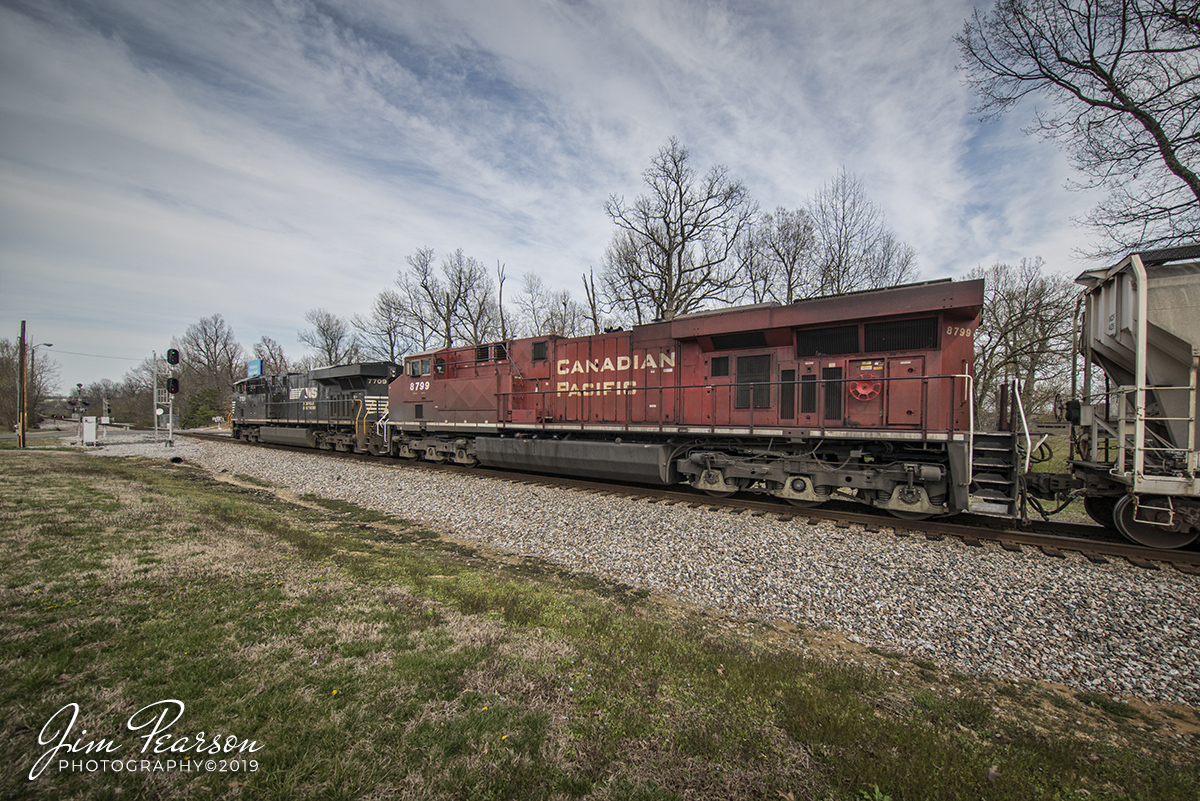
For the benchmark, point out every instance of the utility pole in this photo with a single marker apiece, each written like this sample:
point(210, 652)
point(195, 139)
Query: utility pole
point(21, 393)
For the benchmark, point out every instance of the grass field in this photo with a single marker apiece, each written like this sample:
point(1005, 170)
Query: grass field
point(1052, 458)
point(345, 654)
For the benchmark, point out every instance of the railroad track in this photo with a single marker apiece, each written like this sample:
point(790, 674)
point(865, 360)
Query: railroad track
point(1054, 540)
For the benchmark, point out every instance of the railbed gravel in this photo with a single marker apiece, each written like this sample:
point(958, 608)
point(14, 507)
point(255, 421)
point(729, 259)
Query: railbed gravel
point(1110, 628)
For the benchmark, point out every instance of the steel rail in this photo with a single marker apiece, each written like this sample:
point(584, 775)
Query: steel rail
point(974, 533)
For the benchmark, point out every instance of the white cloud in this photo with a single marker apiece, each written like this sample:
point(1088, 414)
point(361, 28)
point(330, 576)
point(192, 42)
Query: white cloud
point(165, 161)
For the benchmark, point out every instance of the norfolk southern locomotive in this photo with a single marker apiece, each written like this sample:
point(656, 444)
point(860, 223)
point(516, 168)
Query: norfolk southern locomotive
point(865, 397)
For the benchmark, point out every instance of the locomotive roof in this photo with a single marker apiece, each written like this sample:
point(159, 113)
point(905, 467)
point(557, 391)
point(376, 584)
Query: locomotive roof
point(958, 298)
point(332, 374)
point(1158, 263)
point(364, 369)
point(955, 298)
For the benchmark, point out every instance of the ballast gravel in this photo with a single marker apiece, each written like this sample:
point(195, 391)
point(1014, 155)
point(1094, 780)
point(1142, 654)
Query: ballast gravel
point(1111, 628)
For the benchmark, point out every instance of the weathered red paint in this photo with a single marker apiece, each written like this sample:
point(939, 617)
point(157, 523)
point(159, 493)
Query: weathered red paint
point(660, 377)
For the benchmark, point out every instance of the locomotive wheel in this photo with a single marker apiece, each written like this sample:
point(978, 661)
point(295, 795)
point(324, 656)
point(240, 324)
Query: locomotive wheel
point(802, 504)
point(903, 515)
point(1145, 533)
point(720, 493)
point(1100, 509)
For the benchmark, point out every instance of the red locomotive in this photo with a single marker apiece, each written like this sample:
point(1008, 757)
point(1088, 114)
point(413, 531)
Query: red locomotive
point(865, 396)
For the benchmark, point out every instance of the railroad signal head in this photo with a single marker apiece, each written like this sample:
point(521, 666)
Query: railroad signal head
point(172, 385)
point(172, 356)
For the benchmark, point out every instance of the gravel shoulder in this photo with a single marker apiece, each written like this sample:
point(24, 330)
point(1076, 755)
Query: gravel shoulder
point(1113, 628)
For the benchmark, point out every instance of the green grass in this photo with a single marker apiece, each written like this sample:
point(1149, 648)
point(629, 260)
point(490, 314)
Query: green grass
point(367, 656)
point(1107, 704)
point(1058, 448)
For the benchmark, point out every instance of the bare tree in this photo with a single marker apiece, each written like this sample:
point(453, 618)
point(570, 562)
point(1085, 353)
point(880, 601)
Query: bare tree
point(457, 305)
point(592, 312)
point(384, 333)
point(41, 379)
point(755, 272)
point(500, 278)
point(307, 363)
point(1024, 333)
point(210, 356)
point(624, 278)
point(784, 244)
point(330, 337)
point(420, 292)
point(273, 359)
point(210, 360)
point(141, 377)
point(852, 247)
point(669, 254)
point(531, 304)
point(476, 314)
point(1123, 79)
point(135, 402)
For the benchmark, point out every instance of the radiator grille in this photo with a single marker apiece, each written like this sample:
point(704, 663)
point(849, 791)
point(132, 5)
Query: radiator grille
point(827, 341)
point(918, 334)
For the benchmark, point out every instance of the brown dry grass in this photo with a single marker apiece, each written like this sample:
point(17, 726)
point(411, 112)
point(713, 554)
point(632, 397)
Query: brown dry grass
point(377, 660)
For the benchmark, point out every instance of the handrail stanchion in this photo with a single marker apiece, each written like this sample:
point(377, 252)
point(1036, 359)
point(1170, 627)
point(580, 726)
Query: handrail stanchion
point(1024, 425)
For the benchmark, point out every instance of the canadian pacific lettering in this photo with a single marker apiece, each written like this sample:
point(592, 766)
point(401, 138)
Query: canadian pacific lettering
point(601, 384)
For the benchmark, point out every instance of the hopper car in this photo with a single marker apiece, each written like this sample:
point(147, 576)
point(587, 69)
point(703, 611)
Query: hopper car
point(1135, 448)
point(866, 397)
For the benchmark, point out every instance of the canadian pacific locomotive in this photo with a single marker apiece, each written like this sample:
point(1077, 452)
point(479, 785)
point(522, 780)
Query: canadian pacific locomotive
point(865, 397)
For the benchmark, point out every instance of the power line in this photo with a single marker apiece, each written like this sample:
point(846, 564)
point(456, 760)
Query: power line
point(93, 355)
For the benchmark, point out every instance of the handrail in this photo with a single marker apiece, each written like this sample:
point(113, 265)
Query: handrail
point(970, 401)
point(1143, 312)
point(1128, 446)
point(360, 421)
point(1024, 425)
point(510, 400)
point(1194, 379)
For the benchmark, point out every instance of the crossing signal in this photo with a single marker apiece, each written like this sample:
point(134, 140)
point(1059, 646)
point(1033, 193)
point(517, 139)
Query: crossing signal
point(172, 385)
point(172, 356)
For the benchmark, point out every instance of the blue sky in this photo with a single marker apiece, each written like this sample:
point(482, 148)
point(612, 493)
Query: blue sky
point(164, 161)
